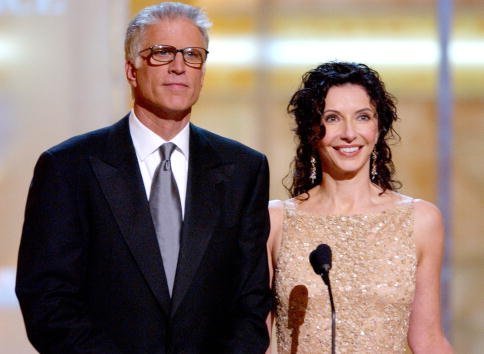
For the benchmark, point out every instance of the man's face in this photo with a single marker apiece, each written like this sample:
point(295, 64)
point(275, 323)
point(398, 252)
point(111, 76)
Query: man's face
point(167, 89)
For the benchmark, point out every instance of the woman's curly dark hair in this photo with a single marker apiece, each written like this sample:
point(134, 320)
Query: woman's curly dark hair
point(307, 106)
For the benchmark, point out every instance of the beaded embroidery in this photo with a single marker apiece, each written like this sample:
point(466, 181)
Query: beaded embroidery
point(372, 279)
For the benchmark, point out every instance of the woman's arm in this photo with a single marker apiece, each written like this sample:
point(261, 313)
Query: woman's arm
point(273, 244)
point(425, 333)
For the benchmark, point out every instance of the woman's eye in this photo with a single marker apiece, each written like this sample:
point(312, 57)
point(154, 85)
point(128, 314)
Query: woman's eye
point(330, 118)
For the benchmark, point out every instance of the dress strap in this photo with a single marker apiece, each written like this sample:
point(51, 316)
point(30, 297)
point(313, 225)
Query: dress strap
point(289, 207)
point(406, 200)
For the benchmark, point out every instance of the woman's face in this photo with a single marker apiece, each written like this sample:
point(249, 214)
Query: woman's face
point(351, 125)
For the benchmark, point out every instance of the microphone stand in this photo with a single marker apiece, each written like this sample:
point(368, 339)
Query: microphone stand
point(325, 276)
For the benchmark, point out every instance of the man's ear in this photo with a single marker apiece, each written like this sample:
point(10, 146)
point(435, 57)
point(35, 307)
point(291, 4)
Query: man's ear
point(130, 73)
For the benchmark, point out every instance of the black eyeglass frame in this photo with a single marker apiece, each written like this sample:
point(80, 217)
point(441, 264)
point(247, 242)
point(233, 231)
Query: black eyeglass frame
point(175, 50)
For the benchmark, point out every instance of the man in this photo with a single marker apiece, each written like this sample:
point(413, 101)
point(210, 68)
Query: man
point(97, 272)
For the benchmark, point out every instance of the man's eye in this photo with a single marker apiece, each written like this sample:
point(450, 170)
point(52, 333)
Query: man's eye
point(192, 53)
point(161, 52)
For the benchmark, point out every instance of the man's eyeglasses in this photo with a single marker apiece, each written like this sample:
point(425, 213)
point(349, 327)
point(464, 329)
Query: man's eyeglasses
point(166, 54)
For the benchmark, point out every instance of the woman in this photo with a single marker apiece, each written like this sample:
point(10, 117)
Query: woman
point(387, 248)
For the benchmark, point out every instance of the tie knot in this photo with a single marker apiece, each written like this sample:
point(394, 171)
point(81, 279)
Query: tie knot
point(166, 150)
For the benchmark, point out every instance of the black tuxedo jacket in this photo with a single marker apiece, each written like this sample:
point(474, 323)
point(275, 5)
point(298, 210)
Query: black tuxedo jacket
point(90, 277)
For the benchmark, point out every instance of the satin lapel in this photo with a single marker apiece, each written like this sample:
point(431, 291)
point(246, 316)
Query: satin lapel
point(202, 208)
point(120, 179)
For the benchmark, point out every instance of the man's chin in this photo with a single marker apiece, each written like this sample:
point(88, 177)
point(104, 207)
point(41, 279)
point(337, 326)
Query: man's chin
point(177, 113)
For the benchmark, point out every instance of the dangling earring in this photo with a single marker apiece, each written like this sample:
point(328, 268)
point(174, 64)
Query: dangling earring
point(373, 158)
point(312, 176)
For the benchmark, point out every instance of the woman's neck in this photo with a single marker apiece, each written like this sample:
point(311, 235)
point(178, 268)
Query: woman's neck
point(347, 196)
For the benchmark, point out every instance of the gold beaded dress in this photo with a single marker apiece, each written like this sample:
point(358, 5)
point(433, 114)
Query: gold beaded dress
point(372, 279)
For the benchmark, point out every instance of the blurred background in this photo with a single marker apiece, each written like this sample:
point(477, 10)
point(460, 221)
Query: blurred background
point(62, 73)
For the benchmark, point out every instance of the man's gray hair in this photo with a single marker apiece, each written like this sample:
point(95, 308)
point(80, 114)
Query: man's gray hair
point(152, 14)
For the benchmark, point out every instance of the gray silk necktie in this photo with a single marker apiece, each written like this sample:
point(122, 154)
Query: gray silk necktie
point(166, 213)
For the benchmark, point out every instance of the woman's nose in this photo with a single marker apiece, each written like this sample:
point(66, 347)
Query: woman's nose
point(349, 132)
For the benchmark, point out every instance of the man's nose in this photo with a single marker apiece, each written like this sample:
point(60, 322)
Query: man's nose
point(177, 65)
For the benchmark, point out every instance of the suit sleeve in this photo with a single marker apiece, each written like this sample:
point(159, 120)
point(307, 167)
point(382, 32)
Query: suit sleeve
point(52, 266)
point(253, 303)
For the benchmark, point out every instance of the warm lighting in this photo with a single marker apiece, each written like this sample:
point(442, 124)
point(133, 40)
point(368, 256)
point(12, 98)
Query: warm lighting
point(392, 52)
point(467, 52)
point(399, 52)
point(233, 51)
point(8, 50)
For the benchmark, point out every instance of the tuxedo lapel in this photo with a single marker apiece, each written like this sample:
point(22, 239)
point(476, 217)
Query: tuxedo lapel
point(121, 182)
point(205, 193)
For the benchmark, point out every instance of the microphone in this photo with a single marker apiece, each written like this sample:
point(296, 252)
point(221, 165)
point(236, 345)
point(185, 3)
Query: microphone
point(320, 260)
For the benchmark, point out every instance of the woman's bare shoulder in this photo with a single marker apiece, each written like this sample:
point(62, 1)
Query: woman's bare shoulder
point(276, 204)
point(276, 209)
point(428, 226)
point(276, 212)
point(426, 213)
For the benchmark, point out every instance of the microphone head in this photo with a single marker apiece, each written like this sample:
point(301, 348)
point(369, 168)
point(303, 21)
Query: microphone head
point(320, 259)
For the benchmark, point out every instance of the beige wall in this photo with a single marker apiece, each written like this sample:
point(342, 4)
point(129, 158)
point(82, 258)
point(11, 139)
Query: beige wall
point(63, 74)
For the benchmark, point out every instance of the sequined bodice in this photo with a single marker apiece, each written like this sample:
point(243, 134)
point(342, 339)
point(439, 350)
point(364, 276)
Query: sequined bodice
point(372, 279)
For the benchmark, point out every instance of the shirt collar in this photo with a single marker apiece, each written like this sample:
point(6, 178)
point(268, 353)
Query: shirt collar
point(146, 141)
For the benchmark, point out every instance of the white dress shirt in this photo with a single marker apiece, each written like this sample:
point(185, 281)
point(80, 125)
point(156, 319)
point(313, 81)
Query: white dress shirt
point(146, 144)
